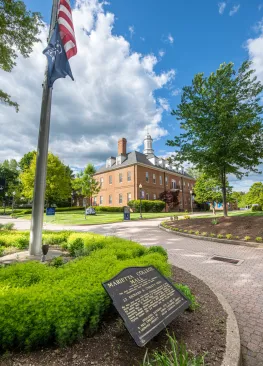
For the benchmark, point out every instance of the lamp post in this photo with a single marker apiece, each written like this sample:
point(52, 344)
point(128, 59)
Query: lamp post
point(14, 193)
point(192, 210)
point(140, 187)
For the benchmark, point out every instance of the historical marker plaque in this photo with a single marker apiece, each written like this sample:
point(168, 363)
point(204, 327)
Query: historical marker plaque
point(146, 301)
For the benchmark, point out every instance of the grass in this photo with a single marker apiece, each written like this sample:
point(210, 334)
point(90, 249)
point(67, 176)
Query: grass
point(78, 217)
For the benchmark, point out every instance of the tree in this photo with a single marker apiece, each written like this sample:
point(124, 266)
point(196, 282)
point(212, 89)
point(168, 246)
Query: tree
point(170, 198)
point(239, 198)
point(223, 127)
point(18, 32)
point(194, 172)
point(207, 189)
point(9, 174)
point(86, 184)
point(25, 161)
point(255, 194)
point(58, 181)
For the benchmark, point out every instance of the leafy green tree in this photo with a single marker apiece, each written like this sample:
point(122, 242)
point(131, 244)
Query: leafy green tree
point(85, 184)
point(239, 198)
point(194, 172)
point(18, 32)
point(58, 181)
point(207, 189)
point(223, 130)
point(10, 174)
point(25, 161)
point(255, 194)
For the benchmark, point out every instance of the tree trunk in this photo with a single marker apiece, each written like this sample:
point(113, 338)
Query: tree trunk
point(223, 174)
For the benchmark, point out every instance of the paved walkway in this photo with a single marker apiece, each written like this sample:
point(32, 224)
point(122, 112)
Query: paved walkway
point(241, 285)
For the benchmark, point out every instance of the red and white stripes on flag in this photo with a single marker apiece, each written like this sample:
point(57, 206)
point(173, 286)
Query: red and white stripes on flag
point(66, 28)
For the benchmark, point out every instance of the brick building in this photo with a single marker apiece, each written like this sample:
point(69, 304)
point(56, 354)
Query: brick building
point(121, 176)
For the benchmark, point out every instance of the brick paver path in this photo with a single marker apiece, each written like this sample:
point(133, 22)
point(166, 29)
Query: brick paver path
point(241, 285)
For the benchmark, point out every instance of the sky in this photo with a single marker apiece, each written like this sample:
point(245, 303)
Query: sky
point(133, 59)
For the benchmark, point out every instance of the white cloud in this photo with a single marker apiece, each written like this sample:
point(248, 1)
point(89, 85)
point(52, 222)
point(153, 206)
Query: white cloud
point(113, 95)
point(234, 10)
point(164, 104)
point(221, 7)
point(176, 92)
point(170, 38)
point(161, 53)
point(131, 30)
point(260, 6)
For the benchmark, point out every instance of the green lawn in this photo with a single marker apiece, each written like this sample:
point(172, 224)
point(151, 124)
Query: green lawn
point(78, 217)
point(234, 213)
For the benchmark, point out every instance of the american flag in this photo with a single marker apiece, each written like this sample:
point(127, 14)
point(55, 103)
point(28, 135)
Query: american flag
point(66, 28)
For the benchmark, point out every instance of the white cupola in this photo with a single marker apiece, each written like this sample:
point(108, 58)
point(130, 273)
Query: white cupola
point(148, 142)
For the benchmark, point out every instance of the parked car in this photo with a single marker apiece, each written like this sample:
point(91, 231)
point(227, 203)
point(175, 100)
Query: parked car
point(90, 211)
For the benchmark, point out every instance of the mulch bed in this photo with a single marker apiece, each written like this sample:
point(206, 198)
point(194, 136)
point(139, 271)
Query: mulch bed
point(203, 330)
point(236, 225)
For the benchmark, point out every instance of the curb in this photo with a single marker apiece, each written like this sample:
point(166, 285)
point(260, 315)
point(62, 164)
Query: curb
point(222, 241)
point(232, 356)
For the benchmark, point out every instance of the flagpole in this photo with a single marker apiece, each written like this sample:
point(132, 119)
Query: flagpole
point(35, 244)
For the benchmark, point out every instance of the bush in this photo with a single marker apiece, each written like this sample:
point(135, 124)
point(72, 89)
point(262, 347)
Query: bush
point(147, 205)
point(256, 208)
point(204, 233)
point(185, 231)
point(108, 209)
point(237, 237)
point(214, 222)
point(158, 249)
point(229, 236)
point(213, 235)
point(259, 239)
point(57, 262)
point(197, 232)
point(247, 238)
point(75, 245)
point(187, 217)
point(187, 292)
point(190, 231)
point(41, 305)
point(220, 236)
point(2, 250)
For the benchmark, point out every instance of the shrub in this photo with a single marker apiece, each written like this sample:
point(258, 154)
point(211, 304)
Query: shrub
point(256, 208)
point(187, 292)
point(2, 250)
point(147, 205)
point(247, 238)
point(236, 237)
point(108, 209)
point(229, 236)
point(158, 249)
point(75, 245)
point(190, 231)
point(214, 222)
point(176, 228)
point(185, 231)
point(213, 235)
point(187, 217)
point(181, 230)
point(55, 238)
point(204, 233)
point(43, 305)
point(8, 226)
point(220, 236)
point(259, 239)
point(57, 262)
point(197, 232)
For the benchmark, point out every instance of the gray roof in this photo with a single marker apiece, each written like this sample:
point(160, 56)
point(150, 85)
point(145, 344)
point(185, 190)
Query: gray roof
point(136, 157)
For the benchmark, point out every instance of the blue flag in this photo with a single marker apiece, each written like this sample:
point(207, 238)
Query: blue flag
point(58, 65)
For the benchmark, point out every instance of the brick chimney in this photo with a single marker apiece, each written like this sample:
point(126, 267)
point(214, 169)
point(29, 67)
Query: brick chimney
point(122, 146)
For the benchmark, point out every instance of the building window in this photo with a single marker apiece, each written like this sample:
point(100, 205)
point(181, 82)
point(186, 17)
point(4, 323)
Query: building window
point(129, 176)
point(101, 200)
point(95, 200)
point(154, 179)
point(147, 176)
point(147, 196)
point(161, 180)
point(173, 184)
point(120, 198)
point(166, 180)
point(154, 196)
point(110, 199)
point(128, 197)
point(101, 182)
point(120, 178)
point(110, 179)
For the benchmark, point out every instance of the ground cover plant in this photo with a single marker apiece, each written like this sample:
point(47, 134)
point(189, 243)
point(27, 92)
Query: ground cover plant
point(42, 304)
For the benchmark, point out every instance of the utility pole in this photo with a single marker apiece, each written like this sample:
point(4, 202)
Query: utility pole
point(35, 244)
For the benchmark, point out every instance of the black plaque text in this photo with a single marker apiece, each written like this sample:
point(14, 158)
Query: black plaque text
point(146, 300)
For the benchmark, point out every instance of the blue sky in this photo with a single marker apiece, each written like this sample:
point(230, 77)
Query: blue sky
point(185, 36)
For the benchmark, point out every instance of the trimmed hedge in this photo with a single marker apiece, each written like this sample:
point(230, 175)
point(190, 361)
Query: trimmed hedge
point(40, 304)
point(147, 205)
point(256, 208)
point(108, 209)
